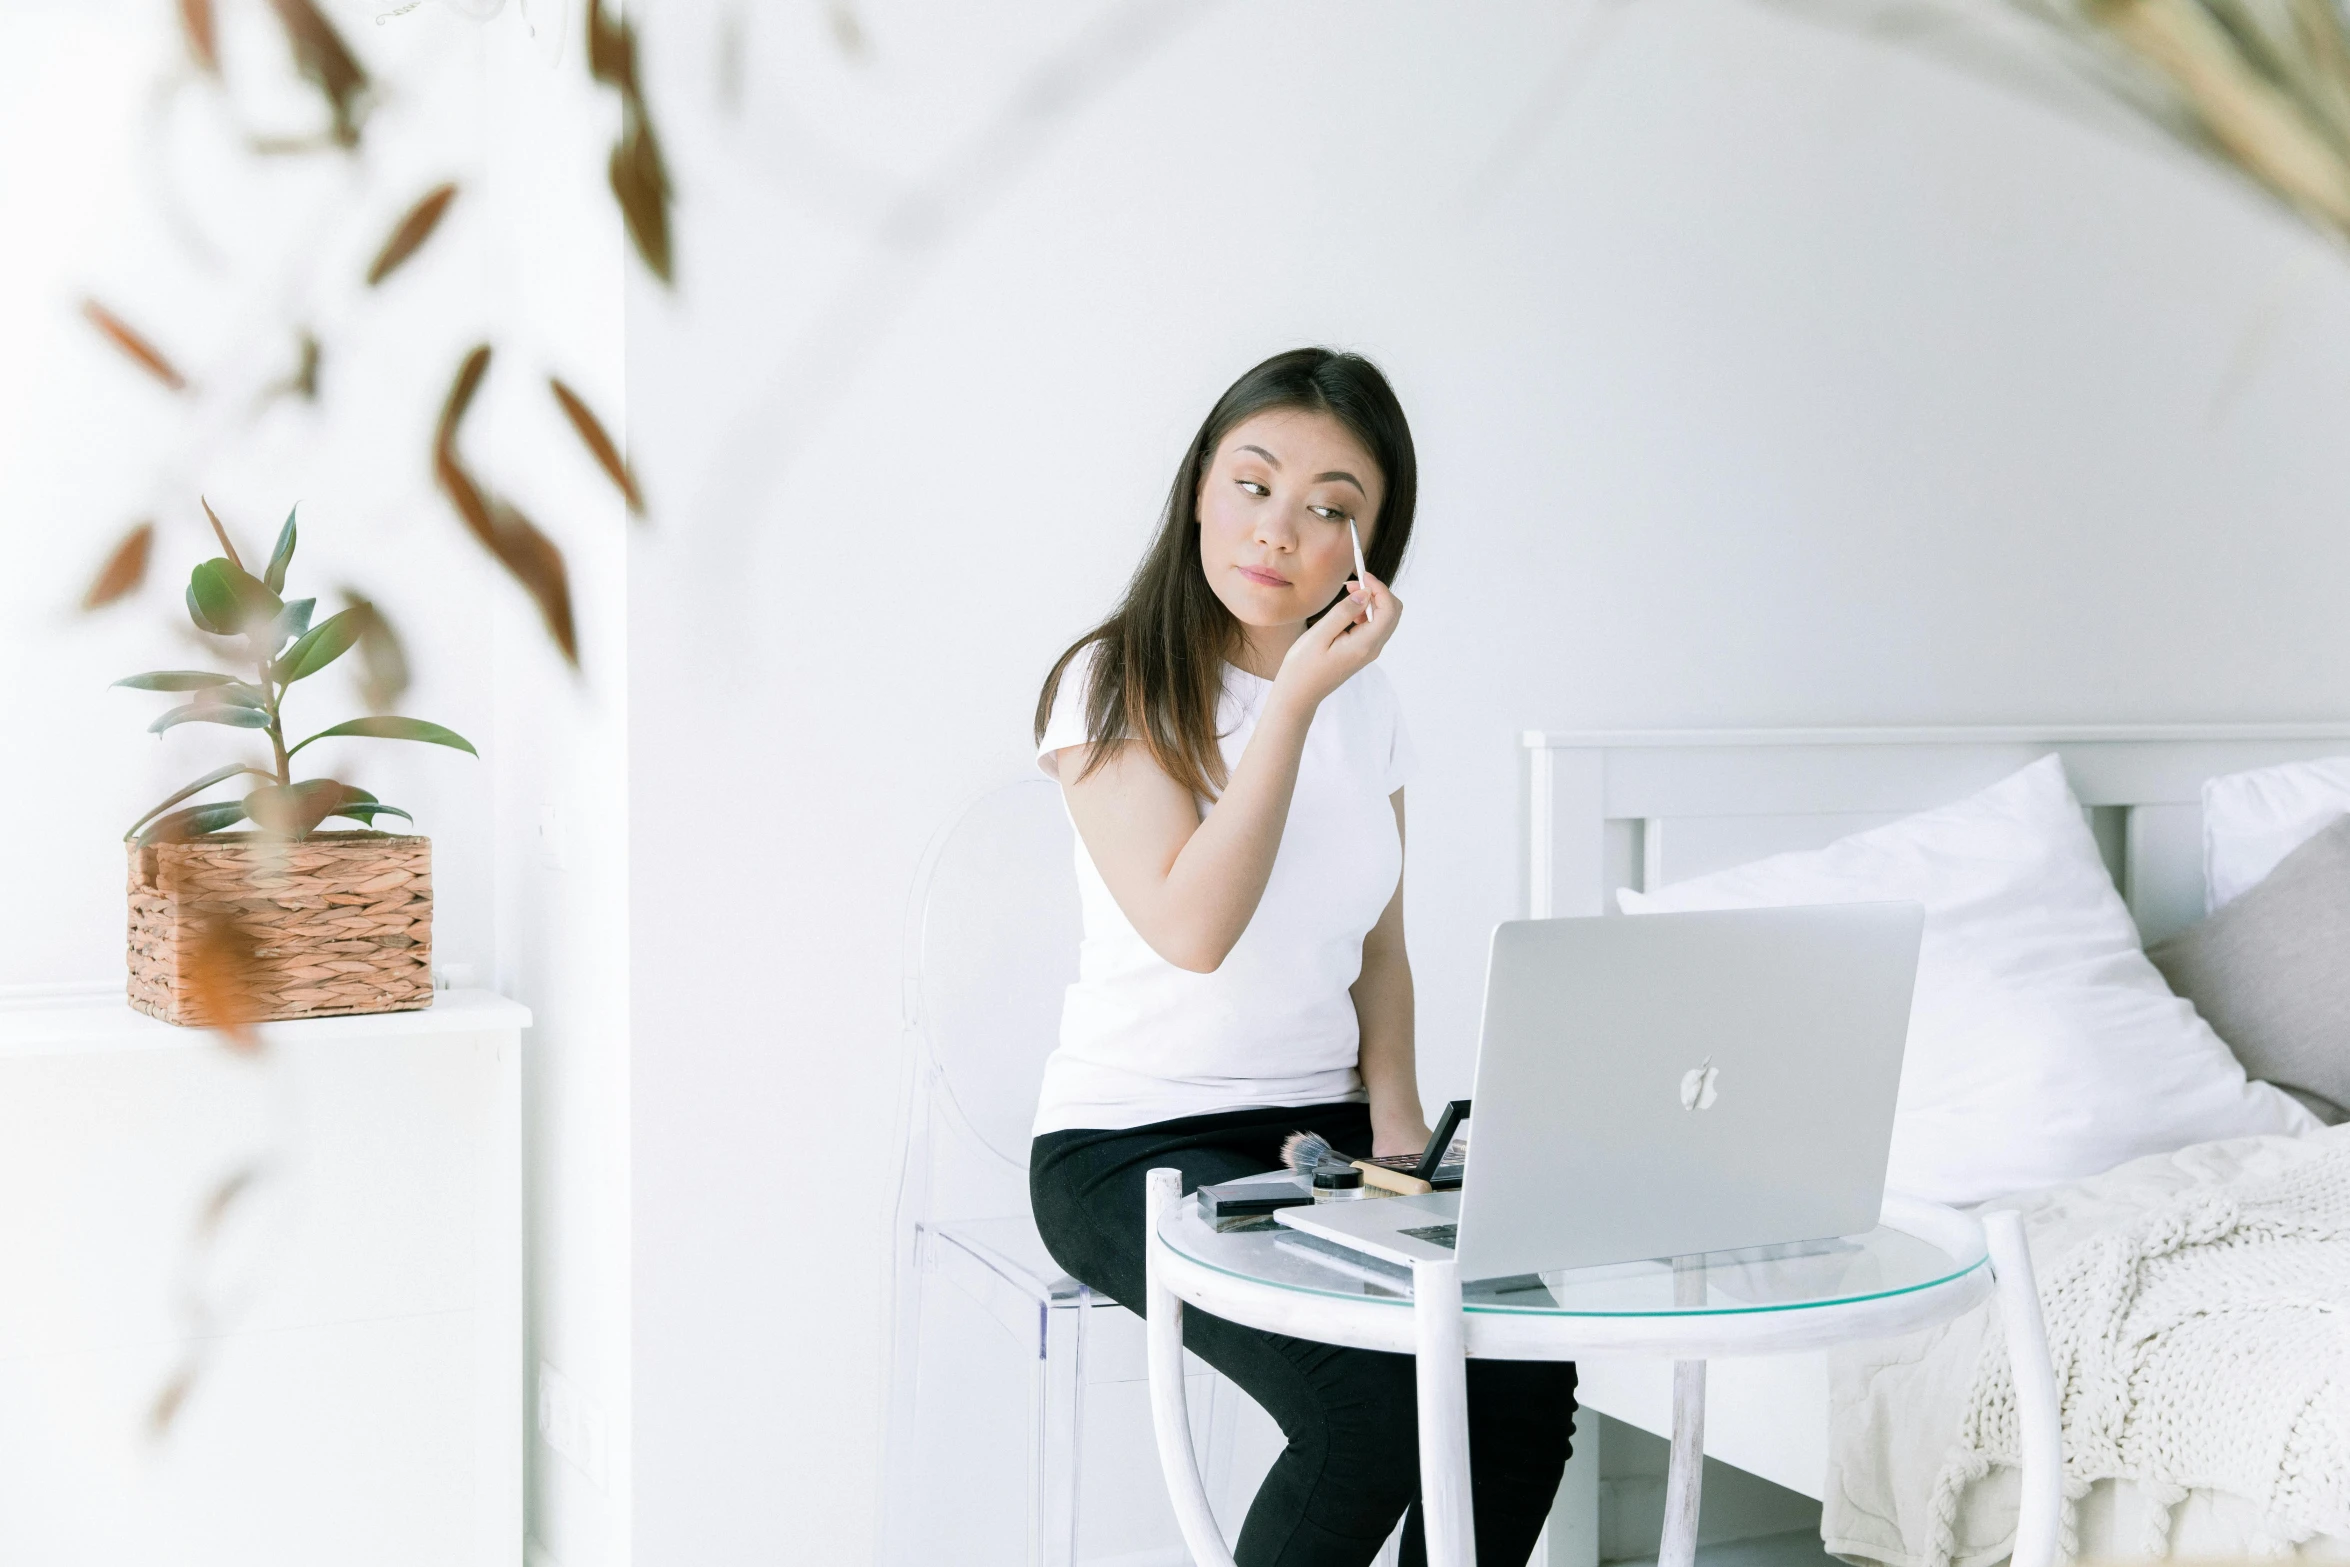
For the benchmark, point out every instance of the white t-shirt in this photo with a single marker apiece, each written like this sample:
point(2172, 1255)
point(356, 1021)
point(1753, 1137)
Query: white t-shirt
point(1144, 1041)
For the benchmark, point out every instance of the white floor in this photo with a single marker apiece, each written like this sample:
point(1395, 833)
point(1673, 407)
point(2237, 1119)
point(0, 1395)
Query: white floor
point(1795, 1548)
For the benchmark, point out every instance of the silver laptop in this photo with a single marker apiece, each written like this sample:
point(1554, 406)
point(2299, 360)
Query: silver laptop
point(1664, 1085)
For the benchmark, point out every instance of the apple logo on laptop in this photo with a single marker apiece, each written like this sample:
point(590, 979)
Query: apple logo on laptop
point(1697, 1085)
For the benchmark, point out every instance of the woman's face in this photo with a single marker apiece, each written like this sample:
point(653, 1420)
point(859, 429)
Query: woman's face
point(1273, 511)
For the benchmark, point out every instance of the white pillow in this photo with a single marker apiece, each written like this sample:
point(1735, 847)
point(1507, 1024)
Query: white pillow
point(2251, 821)
point(2043, 1047)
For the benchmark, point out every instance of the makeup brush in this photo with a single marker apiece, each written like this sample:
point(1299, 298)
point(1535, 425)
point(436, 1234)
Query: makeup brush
point(1306, 1152)
point(1362, 572)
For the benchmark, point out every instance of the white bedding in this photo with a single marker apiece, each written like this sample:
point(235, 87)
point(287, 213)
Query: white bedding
point(2199, 1314)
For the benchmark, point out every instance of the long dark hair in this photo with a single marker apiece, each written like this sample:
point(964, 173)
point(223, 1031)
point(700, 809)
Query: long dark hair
point(1160, 664)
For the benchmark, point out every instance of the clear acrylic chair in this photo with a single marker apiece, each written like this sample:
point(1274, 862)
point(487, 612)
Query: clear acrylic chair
point(1019, 1426)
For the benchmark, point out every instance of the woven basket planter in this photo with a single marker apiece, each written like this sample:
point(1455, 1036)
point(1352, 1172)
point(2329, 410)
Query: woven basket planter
point(340, 922)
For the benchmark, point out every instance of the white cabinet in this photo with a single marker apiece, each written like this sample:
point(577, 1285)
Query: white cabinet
point(353, 1319)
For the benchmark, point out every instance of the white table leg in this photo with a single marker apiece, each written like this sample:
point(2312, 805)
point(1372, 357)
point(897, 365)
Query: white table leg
point(1170, 1416)
point(1686, 1473)
point(1443, 1377)
point(2039, 1424)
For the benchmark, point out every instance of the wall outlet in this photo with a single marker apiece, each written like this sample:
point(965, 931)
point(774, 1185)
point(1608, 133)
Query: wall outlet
point(571, 1425)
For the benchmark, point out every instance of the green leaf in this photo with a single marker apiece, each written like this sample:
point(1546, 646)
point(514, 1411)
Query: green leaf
point(387, 728)
point(291, 622)
point(194, 822)
point(224, 598)
point(295, 810)
point(217, 775)
point(211, 713)
point(320, 646)
point(274, 578)
point(177, 680)
point(238, 694)
point(212, 603)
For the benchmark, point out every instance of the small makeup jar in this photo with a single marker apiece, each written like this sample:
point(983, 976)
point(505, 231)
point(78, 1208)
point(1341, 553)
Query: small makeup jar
point(1338, 1183)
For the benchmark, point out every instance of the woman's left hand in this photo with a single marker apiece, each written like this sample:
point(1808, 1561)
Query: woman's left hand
point(1388, 1141)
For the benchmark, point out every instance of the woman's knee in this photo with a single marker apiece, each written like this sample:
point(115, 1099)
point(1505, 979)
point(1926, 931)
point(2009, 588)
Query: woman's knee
point(1368, 1403)
point(1520, 1418)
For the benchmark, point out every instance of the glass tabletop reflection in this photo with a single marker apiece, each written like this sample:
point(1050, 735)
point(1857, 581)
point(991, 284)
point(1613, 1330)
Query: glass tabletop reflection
point(1794, 1277)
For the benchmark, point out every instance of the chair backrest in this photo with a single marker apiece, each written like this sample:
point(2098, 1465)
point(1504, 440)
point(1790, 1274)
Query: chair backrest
point(995, 927)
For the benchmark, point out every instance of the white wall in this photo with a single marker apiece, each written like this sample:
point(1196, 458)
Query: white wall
point(530, 258)
point(1761, 376)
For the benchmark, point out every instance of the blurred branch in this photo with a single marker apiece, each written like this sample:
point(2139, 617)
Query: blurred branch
point(765, 428)
point(2267, 93)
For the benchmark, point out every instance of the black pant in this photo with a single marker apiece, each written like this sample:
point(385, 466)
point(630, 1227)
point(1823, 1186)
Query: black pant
point(1352, 1464)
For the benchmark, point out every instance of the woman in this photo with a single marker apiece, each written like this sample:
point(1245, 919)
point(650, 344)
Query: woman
point(1234, 761)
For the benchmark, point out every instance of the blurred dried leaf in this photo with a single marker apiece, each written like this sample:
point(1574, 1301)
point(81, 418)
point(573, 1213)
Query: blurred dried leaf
point(640, 180)
point(170, 1398)
point(323, 57)
point(611, 49)
point(203, 38)
point(847, 32)
point(413, 229)
point(119, 333)
point(464, 494)
point(640, 183)
point(302, 380)
point(383, 661)
point(223, 1196)
point(598, 441)
point(219, 532)
point(728, 79)
point(529, 555)
point(218, 969)
point(538, 565)
point(124, 570)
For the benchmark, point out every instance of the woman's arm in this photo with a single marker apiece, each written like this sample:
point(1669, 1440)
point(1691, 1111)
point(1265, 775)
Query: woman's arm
point(1383, 1009)
point(1190, 885)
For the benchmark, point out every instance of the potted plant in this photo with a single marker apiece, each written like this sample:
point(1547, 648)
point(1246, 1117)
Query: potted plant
point(279, 920)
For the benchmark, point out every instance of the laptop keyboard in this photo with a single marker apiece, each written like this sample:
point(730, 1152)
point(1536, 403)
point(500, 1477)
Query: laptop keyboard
point(1444, 1235)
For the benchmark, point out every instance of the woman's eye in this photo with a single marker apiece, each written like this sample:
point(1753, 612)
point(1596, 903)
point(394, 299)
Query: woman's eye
point(1253, 487)
point(1328, 513)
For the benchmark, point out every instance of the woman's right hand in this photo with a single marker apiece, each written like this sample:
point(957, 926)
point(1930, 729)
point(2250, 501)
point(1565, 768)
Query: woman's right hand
point(1333, 649)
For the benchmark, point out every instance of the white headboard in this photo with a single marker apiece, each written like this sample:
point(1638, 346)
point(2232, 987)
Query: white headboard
point(1633, 808)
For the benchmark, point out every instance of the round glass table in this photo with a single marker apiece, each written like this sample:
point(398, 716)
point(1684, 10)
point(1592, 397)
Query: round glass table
point(1922, 1265)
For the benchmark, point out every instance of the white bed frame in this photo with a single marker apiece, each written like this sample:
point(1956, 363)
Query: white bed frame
point(1641, 809)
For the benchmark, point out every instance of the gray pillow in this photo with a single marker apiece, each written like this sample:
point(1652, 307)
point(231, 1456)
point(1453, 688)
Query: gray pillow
point(2271, 973)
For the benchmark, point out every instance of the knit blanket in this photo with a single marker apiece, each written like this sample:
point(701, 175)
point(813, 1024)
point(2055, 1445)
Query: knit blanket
point(2198, 1310)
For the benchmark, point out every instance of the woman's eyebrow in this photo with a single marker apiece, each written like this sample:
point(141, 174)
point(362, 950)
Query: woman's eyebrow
point(1261, 452)
point(1341, 473)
